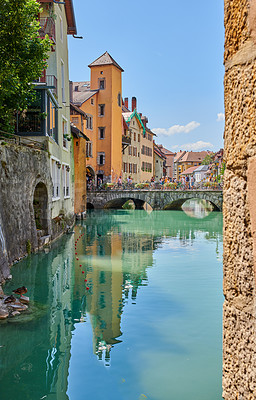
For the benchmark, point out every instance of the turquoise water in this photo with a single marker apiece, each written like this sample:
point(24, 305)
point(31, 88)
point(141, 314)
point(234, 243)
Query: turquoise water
point(145, 325)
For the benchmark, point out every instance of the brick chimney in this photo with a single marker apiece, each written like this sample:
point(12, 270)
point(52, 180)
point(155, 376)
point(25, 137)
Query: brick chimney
point(126, 102)
point(144, 120)
point(134, 103)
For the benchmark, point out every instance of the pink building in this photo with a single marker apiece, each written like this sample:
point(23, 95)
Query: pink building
point(169, 164)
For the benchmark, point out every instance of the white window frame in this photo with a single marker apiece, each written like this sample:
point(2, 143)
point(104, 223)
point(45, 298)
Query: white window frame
point(88, 149)
point(89, 122)
point(98, 158)
point(66, 180)
point(55, 173)
point(64, 126)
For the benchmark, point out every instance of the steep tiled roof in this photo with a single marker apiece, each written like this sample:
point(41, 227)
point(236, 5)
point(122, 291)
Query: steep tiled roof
point(165, 151)
point(130, 115)
point(202, 168)
point(105, 59)
point(127, 115)
point(179, 155)
point(71, 22)
point(158, 152)
point(80, 97)
point(125, 109)
point(196, 156)
point(125, 126)
point(77, 110)
point(189, 171)
point(149, 131)
point(82, 92)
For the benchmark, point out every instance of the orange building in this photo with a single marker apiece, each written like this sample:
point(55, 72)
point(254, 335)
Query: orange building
point(101, 100)
point(80, 146)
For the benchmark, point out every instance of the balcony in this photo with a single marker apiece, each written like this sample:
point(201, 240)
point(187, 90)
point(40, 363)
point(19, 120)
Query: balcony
point(126, 141)
point(47, 27)
point(50, 80)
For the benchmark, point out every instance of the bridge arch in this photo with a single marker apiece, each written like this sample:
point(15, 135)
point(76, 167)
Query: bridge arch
point(118, 202)
point(178, 203)
point(157, 199)
point(89, 206)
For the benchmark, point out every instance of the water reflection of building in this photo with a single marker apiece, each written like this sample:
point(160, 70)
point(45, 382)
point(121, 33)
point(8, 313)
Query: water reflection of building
point(137, 256)
point(118, 249)
point(116, 262)
point(36, 346)
point(105, 302)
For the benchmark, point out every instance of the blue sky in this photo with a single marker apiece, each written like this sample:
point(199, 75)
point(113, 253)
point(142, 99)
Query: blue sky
point(172, 56)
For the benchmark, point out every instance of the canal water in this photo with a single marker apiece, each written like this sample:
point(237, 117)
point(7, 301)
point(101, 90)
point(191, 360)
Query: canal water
point(128, 307)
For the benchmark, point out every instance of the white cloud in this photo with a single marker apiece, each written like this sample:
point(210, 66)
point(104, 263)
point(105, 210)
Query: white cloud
point(176, 129)
point(220, 117)
point(200, 145)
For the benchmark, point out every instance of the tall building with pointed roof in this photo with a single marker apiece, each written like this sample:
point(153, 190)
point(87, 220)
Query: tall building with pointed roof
point(105, 59)
point(101, 100)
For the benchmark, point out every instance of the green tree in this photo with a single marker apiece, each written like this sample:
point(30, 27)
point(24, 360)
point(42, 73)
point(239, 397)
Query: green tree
point(23, 56)
point(208, 159)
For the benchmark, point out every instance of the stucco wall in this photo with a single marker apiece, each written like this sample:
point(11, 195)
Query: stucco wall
point(239, 208)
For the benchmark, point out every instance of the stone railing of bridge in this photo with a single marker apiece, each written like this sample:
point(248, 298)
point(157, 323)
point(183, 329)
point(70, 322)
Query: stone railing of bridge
point(157, 199)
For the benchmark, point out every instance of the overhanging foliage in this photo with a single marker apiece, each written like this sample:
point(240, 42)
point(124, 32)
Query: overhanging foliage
point(23, 56)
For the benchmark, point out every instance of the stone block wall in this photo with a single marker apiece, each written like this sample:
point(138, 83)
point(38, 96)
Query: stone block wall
point(21, 169)
point(239, 208)
point(25, 192)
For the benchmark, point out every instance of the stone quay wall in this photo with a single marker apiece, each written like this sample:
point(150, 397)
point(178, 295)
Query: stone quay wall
point(239, 206)
point(21, 169)
point(25, 191)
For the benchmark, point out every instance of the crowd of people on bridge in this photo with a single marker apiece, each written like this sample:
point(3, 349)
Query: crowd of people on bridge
point(186, 182)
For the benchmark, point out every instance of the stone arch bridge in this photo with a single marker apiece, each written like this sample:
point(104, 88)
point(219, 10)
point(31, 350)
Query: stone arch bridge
point(157, 199)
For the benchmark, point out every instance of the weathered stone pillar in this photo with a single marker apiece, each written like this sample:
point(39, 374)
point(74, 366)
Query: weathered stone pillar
point(239, 209)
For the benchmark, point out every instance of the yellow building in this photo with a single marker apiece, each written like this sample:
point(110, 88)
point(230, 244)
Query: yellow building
point(131, 155)
point(101, 100)
point(139, 156)
point(189, 159)
point(147, 156)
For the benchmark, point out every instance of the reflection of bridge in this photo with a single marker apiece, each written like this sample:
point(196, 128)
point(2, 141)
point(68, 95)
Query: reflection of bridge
point(157, 199)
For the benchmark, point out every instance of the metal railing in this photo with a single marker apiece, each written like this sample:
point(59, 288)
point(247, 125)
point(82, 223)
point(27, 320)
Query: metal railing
point(50, 80)
point(47, 27)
